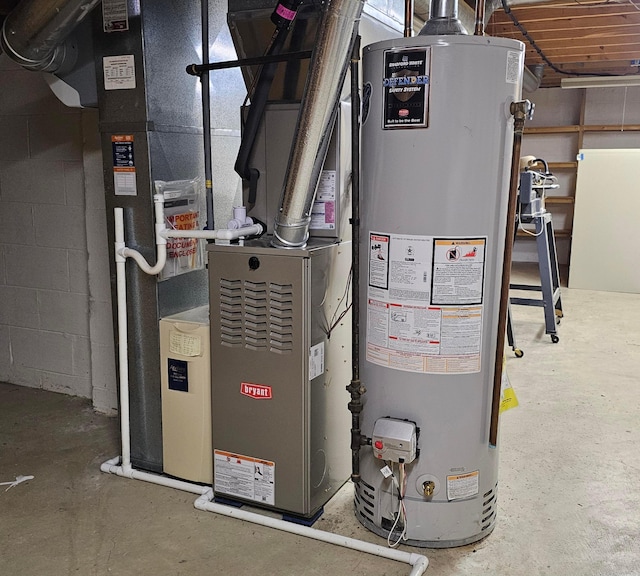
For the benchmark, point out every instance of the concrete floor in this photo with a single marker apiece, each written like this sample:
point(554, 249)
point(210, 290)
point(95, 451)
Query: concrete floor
point(569, 499)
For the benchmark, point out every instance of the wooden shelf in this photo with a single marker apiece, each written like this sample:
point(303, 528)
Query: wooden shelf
point(550, 129)
point(563, 165)
point(559, 200)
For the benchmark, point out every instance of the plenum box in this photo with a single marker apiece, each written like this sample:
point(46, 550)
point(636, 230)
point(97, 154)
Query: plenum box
point(186, 395)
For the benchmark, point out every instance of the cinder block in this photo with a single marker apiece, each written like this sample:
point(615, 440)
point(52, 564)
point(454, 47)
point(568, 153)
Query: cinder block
point(64, 312)
point(55, 137)
point(19, 307)
point(101, 323)
point(105, 401)
point(81, 356)
point(14, 138)
point(3, 272)
point(17, 224)
point(24, 377)
point(5, 353)
point(78, 272)
point(37, 267)
point(46, 351)
point(32, 182)
point(74, 183)
point(61, 227)
point(72, 385)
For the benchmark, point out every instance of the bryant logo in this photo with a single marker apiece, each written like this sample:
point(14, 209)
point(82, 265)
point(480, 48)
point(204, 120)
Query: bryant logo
point(255, 391)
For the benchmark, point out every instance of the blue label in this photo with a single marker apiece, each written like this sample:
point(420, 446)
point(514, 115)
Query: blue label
point(178, 375)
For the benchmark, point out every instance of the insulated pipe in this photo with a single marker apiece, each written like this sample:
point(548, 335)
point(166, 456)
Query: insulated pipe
point(327, 73)
point(33, 34)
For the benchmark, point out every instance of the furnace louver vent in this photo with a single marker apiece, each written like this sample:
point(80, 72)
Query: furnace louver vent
point(256, 315)
point(281, 318)
point(231, 313)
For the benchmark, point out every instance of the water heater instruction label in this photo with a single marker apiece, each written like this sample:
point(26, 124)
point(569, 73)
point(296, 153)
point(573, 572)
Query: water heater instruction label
point(244, 477)
point(463, 485)
point(424, 309)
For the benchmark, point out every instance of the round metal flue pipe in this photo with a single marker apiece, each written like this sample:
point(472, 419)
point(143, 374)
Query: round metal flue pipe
point(34, 34)
point(443, 19)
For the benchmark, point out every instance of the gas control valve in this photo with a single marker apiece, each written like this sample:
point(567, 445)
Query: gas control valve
point(394, 439)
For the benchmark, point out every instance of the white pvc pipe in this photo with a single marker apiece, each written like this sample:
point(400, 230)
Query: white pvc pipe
point(223, 234)
point(418, 562)
point(121, 466)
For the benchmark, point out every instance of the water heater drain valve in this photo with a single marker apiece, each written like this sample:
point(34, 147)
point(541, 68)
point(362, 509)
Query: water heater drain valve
point(395, 440)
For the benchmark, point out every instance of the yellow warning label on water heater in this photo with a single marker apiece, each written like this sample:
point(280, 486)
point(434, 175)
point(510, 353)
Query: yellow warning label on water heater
point(508, 397)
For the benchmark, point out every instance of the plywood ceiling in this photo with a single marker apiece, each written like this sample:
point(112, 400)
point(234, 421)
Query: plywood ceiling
point(580, 36)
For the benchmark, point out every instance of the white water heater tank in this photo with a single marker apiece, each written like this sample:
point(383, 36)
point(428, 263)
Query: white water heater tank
point(437, 139)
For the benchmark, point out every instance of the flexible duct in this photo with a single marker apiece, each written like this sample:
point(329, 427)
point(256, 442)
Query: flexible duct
point(34, 34)
point(317, 113)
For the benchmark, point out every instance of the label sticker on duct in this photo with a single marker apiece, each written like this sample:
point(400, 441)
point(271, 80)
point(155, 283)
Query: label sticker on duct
point(184, 344)
point(463, 485)
point(178, 373)
point(244, 477)
point(124, 167)
point(115, 17)
point(405, 329)
point(323, 212)
point(316, 361)
point(514, 66)
point(406, 88)
point(119, 72)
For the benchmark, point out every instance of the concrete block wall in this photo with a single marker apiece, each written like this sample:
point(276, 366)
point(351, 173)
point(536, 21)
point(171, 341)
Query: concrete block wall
point(55, 314)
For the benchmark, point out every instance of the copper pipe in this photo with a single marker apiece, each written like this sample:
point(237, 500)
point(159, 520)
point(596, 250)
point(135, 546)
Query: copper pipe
point(408, 18)
point(520, 111)
point(480, 5)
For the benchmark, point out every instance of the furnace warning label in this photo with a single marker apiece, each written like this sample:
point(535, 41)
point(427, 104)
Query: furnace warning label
point(244, 477)
point(406, 329)
point(463, 485)
point(323, 213)
point(124, 165)
point(458, 271)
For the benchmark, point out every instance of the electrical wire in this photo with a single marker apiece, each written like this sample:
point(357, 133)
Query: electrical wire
point(329, 326)
point(401, 487)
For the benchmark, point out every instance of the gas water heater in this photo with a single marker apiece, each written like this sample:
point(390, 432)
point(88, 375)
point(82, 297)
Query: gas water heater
point(437, 134)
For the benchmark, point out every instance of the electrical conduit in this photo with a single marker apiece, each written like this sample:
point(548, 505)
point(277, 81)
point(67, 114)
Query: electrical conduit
point(121, 465)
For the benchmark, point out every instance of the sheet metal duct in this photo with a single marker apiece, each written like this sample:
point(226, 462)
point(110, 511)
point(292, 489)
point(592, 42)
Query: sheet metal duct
point(443, 19)
point(319, 104)
point(34, 34)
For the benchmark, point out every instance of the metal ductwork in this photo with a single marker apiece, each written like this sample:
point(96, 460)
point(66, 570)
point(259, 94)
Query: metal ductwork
point(315, 123)
point(34, 33)
point(443, 19)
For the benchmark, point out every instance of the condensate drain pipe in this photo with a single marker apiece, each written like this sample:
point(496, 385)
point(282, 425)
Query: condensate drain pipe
point(121, 465)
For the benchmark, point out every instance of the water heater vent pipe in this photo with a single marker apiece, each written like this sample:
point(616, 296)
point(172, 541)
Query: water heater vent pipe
point(443, 19)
